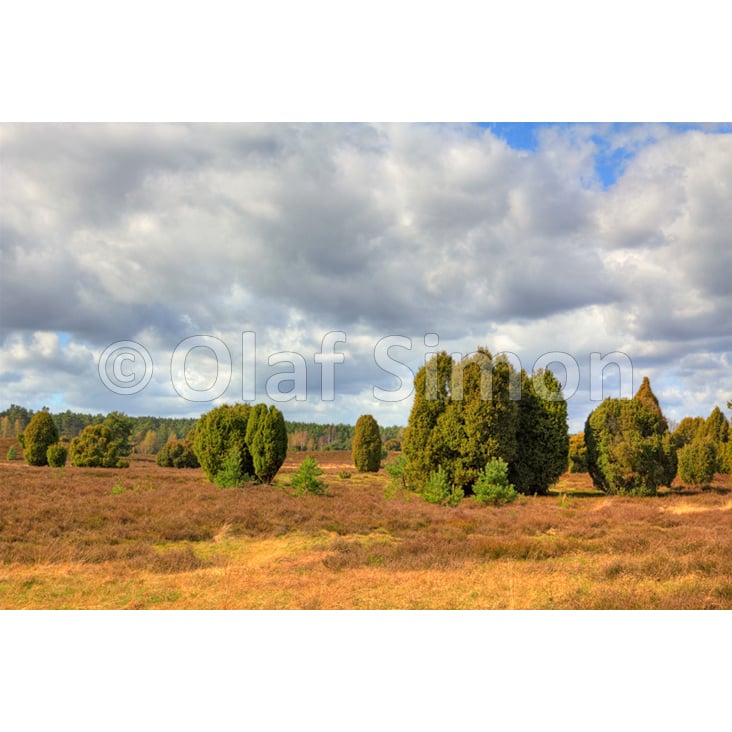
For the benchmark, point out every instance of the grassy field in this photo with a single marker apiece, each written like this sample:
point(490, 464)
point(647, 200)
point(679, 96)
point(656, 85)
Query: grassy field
point(150, 537)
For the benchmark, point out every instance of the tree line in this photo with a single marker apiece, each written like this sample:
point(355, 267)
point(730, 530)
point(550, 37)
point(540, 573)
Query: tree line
point(150, 434)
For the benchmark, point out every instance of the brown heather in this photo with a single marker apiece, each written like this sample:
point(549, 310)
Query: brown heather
point(151, 537)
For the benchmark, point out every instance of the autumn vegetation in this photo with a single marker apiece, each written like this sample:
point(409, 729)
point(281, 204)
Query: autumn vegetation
point(152, 537)
point(467, 516)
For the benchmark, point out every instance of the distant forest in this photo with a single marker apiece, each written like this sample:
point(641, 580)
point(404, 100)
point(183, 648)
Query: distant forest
point(149, 434)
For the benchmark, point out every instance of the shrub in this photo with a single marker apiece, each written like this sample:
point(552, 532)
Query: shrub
point(217, 433)
point(231, 473)
point(393, 445)
point(724, 456)
point(56, 455)
point(395, 469)
point(120, 428)
point(367, 445)
point(177, 454)
point(267, 441)
point(687, 430)
point(492, 485)
point(629, 448)
point(344, 474)
point(305, 478)
point(37, 437)
point(96, 448)
point(437, 489)
point(466, 413)
point(697, 461)
point(12, 453)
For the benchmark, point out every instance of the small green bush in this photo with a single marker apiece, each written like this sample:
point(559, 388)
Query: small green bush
point(305, 479)
point(40, 433)
point(266, 437)
point(697, 461)
point(231, 474)
point(177, 454)
point(56, 455)
point(395, 470)
point(96, 447)
point(12, 453)
point(344, 474)
point(216, 433)
point(367, 448)
point(437, 489)
point(492, 485)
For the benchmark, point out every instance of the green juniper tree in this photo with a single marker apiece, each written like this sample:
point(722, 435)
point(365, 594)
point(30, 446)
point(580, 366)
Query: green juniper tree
point(466, 414)
point(366, 449)
point(629, 448)
point(267, 441)
point(217, 433)
point(37, 437)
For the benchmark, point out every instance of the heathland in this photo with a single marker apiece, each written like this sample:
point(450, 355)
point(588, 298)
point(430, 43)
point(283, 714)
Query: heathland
point(152, 537)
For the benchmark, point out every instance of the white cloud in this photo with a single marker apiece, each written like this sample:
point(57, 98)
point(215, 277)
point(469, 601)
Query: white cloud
point(159, 232)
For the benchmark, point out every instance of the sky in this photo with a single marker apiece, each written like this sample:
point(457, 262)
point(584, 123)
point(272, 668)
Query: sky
point(166, 268)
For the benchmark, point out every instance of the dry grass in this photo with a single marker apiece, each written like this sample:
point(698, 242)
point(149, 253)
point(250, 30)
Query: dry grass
point(150, 537)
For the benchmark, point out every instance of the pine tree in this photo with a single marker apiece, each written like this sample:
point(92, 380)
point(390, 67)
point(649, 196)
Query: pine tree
point(37, 437)
point(366, 449)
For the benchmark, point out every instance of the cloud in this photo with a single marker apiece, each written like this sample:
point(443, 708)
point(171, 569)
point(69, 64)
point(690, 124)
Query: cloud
point(109, 232)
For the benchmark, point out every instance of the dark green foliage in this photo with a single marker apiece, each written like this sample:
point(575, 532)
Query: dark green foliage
point(177, 454)
point(481, 421)
point(393, 445)
point(543, 439)
point(37, 437)
point(467, 413)
point(255, 421)
point(577, 454)
point(629, 448)
point(267, 441)
point(367, 445)
point(12, 453)
point(306, 480)
point(56, 455)
point(95, 447)
point(492, 485)
point(697, 461)
point(217, 433)
point(120, 428)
